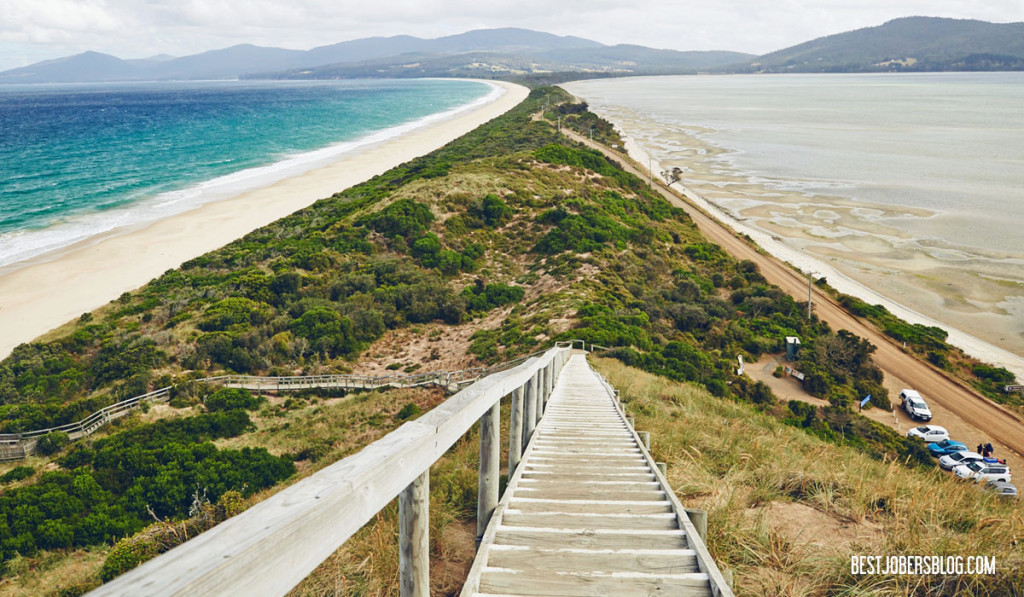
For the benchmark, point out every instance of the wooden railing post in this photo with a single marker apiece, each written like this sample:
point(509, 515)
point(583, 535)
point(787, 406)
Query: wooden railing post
point(490, 464)
point(538, 397)
point(414, 538)
point(549, 376)
point(699, 518)
point(515, 431)
point(530, 410)
point(542, 379)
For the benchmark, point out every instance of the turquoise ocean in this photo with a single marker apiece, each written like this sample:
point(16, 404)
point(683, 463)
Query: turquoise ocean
point(80, 161)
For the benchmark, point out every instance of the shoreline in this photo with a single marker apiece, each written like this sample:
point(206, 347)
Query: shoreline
point(973, 346)
point(26, 246)
point(49, 290)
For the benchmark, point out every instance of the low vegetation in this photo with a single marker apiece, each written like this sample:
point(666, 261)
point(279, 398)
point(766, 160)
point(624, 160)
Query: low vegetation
point(509, 232)
point(929, 343)
point(787, 510)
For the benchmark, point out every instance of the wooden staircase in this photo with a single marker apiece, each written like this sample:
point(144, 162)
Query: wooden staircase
point(587, 513)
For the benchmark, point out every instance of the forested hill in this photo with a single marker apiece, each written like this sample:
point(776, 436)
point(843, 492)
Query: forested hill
point(908, 44)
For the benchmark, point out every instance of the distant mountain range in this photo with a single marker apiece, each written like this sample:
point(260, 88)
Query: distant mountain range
point(909, 44)
point(488, 52)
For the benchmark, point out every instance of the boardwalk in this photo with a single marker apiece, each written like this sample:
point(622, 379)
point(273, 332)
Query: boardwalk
point(586, 513)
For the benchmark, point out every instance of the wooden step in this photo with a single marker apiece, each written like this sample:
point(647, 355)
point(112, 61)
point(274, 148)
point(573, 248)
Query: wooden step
point(592, 475)
point(525, 504)
point(590, 538)
point(656, 561)
point(587, 493)
point(542, 583)
point(589, 520)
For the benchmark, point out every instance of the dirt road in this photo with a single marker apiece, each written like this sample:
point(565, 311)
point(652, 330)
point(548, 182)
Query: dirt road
point(953, 404)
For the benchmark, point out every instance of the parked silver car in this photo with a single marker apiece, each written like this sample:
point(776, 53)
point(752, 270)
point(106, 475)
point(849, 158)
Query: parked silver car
point(1002, 489)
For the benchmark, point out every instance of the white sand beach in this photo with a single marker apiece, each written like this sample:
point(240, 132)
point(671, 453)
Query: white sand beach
point(46, 292)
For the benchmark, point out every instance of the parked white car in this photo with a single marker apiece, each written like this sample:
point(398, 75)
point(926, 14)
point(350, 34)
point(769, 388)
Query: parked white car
point(983, 471)
point(931, 434)
point(914, 404)
point(949, 461)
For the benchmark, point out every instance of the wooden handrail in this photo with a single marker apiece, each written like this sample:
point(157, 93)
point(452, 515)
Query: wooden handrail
point(21, 445)
point(271, 547)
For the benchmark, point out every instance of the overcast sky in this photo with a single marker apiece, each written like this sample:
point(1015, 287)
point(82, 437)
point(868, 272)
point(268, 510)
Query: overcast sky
point(34, 30)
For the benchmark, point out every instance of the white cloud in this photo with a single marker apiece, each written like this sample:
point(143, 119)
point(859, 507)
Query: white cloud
point(32, 30)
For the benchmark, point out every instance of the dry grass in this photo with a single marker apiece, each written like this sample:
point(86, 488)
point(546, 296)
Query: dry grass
point(54, 573)
point(787, 510)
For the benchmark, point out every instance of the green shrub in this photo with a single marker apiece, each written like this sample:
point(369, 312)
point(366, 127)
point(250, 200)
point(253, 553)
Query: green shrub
point(129, 553)
point(231, 399)
point(408, 411)
point(998, 375)
point(52, 442)
point(486, 297)
point(235, 313)
point(17, 474)
point(490, 212)
point(404, 218)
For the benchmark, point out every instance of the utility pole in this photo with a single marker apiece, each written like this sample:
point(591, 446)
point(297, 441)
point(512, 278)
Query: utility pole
point(650, 172)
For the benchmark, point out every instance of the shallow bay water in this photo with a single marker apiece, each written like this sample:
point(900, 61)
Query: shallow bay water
point(912, 186)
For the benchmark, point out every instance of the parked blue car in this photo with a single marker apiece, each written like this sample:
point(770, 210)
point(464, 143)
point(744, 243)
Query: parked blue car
point(944, 447)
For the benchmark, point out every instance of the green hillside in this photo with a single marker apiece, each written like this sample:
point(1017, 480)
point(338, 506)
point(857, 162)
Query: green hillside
point(907, 44)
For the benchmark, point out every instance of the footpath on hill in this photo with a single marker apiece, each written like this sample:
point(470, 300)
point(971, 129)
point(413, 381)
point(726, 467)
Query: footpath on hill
point(954, 405)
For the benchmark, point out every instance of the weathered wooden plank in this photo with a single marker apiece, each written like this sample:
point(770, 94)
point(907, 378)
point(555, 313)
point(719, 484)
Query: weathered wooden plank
point(588, 451)
point(548, 442)
point(583, 460)
point(590, 538)
point(541, 584)
point(656, 561)
point(530, 410)
point(587, 484)
point(515, 434)
point(585, 493)
point(564, 467)
point(490, 466)
point(590, 506)
point(590, 520)
point(414, 538)
point(574, 475)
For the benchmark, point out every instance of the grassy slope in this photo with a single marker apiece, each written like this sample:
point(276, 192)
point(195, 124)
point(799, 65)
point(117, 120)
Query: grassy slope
point(787, 510)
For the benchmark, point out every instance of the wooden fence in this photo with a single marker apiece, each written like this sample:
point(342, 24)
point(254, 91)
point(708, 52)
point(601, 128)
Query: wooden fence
point(271, 547)
point(16, 446)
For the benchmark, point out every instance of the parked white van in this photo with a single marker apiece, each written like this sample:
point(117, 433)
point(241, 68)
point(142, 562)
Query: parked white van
point(914, 404)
